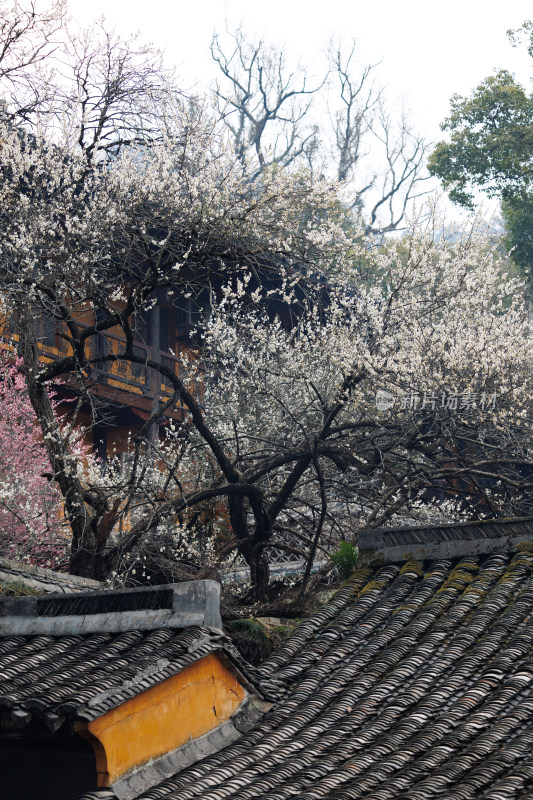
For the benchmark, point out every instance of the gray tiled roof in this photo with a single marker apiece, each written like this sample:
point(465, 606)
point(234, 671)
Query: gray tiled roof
point(455, 531)
point(83, 676)
point(42, 579)
point(414, 681)
point(454, 540)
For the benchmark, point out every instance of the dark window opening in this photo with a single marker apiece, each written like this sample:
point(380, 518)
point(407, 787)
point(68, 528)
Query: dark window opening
point(164, 333)
point(101, 344)
point(46, 330)
point(140, 327)
point(47, 769)
point(188, 312)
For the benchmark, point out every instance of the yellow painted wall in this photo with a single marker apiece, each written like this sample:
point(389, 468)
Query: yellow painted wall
point(163, 718)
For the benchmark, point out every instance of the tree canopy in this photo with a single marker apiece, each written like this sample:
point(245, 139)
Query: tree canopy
point(270, 109)
point(327, 405)
point(289, 433)
point(491, 142)
point(490, 148)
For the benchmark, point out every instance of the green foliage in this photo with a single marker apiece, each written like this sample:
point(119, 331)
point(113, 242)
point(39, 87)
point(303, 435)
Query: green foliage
point(490, 147)
point(517, 214)
point(345, 558)
point(16, 589)
point(491, 140)
point(252, 639)
point(256, 640)
point(250, 629)
point(523, 34)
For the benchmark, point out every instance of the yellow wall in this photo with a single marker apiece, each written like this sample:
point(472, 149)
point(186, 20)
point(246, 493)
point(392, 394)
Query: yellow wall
point(163, 718)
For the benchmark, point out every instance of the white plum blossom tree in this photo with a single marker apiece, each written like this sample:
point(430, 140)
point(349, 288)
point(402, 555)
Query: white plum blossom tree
point(91, 240)
point(291, 431)
point(309, 322)
point(287, 435)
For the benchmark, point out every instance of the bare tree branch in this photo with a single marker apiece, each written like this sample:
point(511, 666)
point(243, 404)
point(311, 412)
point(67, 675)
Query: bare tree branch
point(402, 180)
point(264, 104)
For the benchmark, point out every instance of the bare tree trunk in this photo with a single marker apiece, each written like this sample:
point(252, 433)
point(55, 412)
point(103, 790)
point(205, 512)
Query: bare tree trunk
point(259, 575)
point(252, 546)
point(83, 557)
point(255, 557)
point(323, 512)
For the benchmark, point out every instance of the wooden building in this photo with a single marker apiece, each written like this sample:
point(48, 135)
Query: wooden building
point(124, 394)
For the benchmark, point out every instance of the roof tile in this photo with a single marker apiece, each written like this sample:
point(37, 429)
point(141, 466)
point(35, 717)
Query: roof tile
point(410, 683)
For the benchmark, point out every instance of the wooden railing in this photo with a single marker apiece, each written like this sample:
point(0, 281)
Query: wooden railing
point(129, 376)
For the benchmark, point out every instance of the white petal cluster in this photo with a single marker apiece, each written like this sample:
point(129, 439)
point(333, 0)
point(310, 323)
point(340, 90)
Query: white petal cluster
point(308, 322)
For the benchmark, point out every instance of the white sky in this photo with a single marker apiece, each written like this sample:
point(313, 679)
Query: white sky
point(429, 50)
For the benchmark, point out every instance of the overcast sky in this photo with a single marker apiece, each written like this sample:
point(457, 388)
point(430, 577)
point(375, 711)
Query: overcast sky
point(429, 51)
